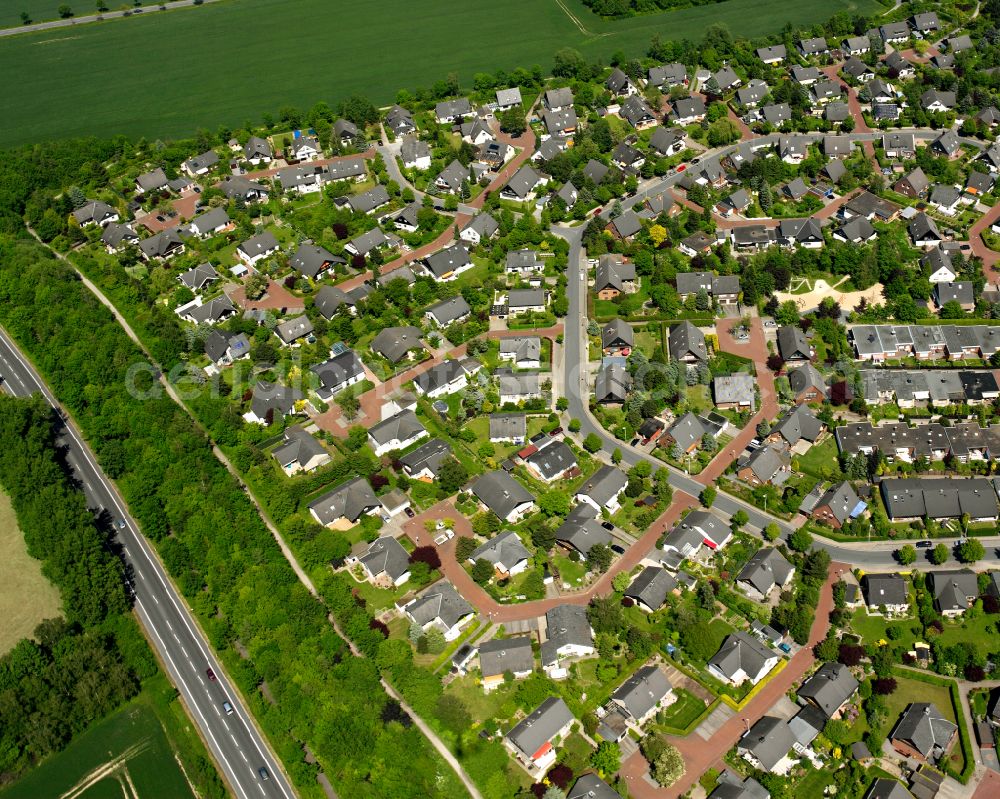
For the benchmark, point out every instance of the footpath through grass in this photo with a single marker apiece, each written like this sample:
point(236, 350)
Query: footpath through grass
point(166, 75)
point(128, 754)
point(21, 576)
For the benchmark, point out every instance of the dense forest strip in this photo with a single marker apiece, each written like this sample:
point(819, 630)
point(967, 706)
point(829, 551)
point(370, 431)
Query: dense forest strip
point(81, 667)
point(217, 549)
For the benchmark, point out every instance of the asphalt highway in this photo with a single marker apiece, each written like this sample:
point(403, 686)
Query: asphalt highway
point(235, 742)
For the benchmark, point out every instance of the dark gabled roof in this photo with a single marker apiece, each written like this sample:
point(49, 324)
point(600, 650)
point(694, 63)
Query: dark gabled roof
point(386, 555)
point(604, 484)
point(198, 276)
point(501, 493)
point(590, 786)
point(501, 655)
point(617, 333)
point(798, 423)
point(446, 261)
point(953, 588)
point(769, 740)
point(349, 500)
point(293, 329)
point(540, 726)
point(925, 729)
point(884, 788)
point(884, 589)
point(329, 298)
point(651, 587)
point(644, 690)
point(766, 569)
point(581, 532)
point(440, 601)
point(740, 652)
point(554, 458)
point(338, 369)
point(842, 500)
point(636, 111)
point(399, 427)
point(793, 344)
point(505, 548)
point(310, 260)
point(565, 625)
point(162, 244)
point(447, 311)
point(299, 447)
point(686, 339)
point(831, 686)
point(613, 383)
point(429, 455)
point(215, 310)
point(259, 244)
point(523, 182)
point(395, 342)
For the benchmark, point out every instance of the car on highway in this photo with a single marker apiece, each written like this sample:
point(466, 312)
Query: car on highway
point(210, 674)
point(228, 708)
point(924, 544)
point(263, 773)
point(121, 524)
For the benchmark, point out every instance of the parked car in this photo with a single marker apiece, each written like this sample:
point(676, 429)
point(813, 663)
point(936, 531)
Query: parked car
point(556, 432)
point(633, 442)
point(924, 544)
point(607, 525)
point(617, 549)
point(785, 648)
point(409, 512)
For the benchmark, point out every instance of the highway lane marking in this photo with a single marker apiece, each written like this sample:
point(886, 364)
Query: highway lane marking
point(195, 707)
point(157, 569)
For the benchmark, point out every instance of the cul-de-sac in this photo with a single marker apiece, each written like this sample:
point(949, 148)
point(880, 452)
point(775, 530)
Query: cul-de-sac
point(568, 399)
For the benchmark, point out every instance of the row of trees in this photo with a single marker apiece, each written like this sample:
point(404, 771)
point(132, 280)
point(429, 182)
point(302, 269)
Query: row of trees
point(216, 547)
point(80, 667)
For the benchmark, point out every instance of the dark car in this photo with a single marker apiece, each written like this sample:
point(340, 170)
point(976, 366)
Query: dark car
point(607, 525)
point(924, 544)
point(556, 432)
point(409, 512)
point(633, 442)
point(211, 674)
point(617, 549)
point(263, 773)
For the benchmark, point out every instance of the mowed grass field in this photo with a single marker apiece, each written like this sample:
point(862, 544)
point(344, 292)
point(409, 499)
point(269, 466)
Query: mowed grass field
point(26, 596)
point(165, 75)
point(126, 755)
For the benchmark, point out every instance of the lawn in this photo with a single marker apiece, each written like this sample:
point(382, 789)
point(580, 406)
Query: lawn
point(982, 632)
point(43, 10)
point(175, 73)
point(131, 744)
point(821, 460)
point(873, 628)
point(683, 712)
point(21, 576)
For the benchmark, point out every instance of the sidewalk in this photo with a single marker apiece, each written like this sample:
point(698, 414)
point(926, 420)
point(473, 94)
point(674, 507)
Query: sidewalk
point(500, 614)
point(700, 754)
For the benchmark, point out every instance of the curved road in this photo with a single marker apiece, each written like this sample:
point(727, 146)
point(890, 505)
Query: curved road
point(864, 555)
point(234, 740)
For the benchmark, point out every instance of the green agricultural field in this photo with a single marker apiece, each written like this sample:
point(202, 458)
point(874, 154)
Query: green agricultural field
point(21, 576)
point(166, 75)
point(127, 754)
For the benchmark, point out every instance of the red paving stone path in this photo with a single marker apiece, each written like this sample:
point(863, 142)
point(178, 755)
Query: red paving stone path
point(332, 419)
point(501, 614)
point(756, 350)
point(701, 755)
point(276, 298)
point(989, 786)
point(979, 247)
